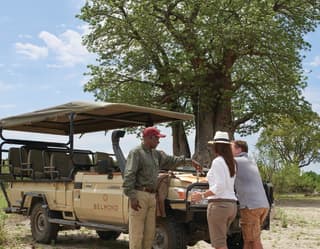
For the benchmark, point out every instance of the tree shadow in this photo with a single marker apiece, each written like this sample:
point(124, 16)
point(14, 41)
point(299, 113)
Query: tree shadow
point(76, 241)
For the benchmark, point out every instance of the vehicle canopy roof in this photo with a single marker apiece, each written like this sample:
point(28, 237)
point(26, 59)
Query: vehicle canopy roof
point(89, 117)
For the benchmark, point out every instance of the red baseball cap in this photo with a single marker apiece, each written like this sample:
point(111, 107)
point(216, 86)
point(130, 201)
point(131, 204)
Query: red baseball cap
point(152, 131)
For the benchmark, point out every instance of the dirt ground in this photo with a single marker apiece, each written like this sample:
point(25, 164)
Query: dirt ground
point(295, 224)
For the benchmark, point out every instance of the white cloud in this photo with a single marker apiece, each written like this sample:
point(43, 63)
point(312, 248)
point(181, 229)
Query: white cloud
point(67, 48)
point(33, 52)
point(315, 62)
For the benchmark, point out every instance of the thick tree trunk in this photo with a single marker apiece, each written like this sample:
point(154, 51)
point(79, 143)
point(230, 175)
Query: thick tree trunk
point(207, 123)
point(204, 133)
point(180, 142)
point(212, 109)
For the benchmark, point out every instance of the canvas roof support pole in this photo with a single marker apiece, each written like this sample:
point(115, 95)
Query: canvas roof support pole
point(71, 132)
point(1, 136)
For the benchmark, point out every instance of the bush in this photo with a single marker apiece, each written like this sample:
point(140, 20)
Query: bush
point(3, 217)
point(286, 179)
point(290, 179)
point(2, 230)
point(310, 182)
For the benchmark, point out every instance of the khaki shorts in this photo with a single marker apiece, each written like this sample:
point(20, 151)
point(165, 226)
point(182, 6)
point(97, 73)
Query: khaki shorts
point(251, 221)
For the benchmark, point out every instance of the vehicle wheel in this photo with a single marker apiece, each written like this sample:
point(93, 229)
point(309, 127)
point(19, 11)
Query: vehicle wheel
point(42, 230)
point(235, 241)
point(108, 235)
point(169, 235)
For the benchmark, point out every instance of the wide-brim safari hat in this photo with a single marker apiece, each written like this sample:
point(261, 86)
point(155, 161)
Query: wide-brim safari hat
point(220, 137)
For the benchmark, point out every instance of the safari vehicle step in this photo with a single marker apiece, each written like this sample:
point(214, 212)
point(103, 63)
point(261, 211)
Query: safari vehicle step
point(96, 226)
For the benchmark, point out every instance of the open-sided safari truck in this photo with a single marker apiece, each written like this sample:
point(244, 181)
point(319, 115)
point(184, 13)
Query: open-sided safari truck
point(61, 187)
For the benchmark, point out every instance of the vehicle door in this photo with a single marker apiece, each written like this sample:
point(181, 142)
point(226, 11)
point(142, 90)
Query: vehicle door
point(99, 198)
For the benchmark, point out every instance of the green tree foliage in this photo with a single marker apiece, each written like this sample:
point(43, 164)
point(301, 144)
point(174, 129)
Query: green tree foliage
point(287, 146)
point(268, 166)
point(309, 182)
point(232, 63)
point(290, 179)
point(3, 216)
point(286, 179)
point(290, 141)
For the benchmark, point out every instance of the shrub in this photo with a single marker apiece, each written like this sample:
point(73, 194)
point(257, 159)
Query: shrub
point(2, 230)
point(290, 179)
point(3, 217)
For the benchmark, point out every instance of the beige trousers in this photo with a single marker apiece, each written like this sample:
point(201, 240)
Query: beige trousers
point(142, 223)
point(220, 215)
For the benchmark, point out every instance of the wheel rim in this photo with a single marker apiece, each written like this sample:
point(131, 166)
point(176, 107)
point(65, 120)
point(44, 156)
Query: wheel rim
point(40, 223)
point(161, 239)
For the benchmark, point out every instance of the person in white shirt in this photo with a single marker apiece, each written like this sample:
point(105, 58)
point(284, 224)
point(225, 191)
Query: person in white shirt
point(222, 201)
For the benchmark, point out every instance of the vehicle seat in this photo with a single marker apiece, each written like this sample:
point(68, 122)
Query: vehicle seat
point(39, 160)
point(61, 161)
point(17, 157)
point(82, 160)
point(104, 163)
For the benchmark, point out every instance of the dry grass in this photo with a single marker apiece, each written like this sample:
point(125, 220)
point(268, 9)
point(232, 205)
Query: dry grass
point(295, 224)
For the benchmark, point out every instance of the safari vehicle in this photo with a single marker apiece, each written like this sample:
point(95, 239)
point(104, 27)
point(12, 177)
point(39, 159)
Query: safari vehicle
point(62, 187)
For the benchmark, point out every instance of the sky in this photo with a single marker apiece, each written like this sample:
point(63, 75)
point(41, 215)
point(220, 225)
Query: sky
point(42, 64)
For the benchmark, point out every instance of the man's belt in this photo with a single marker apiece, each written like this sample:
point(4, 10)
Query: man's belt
point(146, 189)
point(221, 200)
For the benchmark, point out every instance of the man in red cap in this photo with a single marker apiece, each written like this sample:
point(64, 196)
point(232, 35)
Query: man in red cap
point(140, 181)
point(152, 131)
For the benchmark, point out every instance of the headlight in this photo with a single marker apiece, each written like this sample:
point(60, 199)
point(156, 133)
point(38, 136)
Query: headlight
point(179, 193)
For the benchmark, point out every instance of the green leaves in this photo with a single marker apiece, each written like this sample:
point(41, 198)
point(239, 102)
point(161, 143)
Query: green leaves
point(293, 141)
point(243, 55)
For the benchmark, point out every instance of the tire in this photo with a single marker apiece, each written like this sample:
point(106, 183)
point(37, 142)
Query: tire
point(169, 235)
point(235, 241)
point(108, 235)
point(42, 230)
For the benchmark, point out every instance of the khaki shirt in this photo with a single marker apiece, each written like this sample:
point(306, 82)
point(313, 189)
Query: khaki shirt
point(143, 166)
